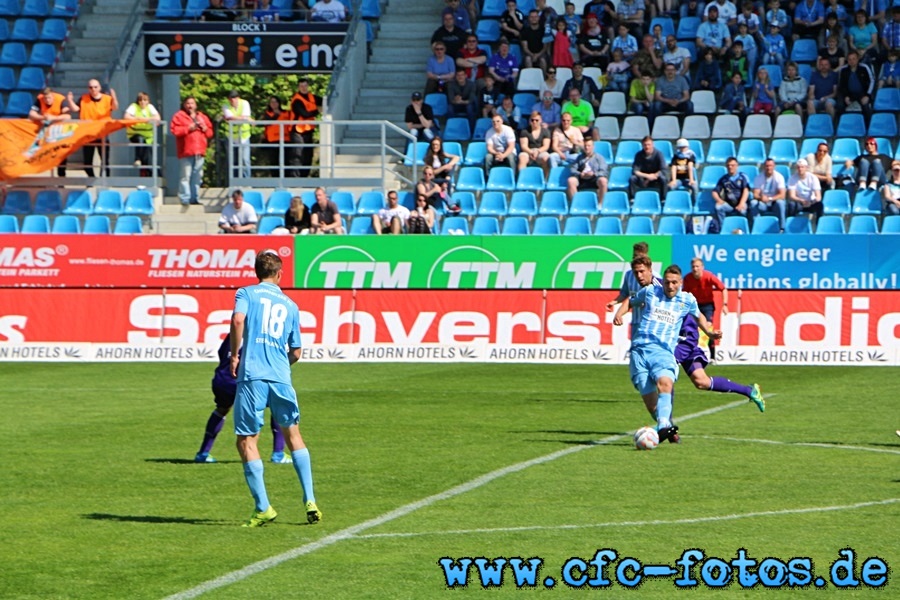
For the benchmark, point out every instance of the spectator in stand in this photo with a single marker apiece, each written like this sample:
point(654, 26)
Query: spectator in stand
point(750, 19)
point(512, 114)
point(648, 58)
point(769, 194)
point(216, 12)
point(641, 94)
point(461, 97)
point(875, 10)
point(582, 114)
point(565, 50)
point(95, 106)
point(237, 111)
point(489, 96)
point(683, 175)
point(792, 92)
point(762, 94)
point(702, 284)
point(832, 28)
point(442, 163)
point(299, 11)
point(631, 14)
point(587, 87)
point(776, 52)
point(436, 193)
point(460, 15)
point(548, 17)
point(535, 51)
point(673, 94)
point(776, 14)
point(567, 142)
point(709, 73)
point(534, 144)
point(501, 145)
point(548, 110)
point(239, 216)
point(573, 21)
point(625, 42)
point(870, 166)
point(804, 191)
point(330, 11)
point(192, 130)
point(734, 96)
point(305, 106)
point(863, 37)
point(589, 172)
point(890, 34)
point(593, 46)
point(809, 17)
point(297, 217)
point(473, 59)
point(890, 71)
point(727, 10)
point(857, 83)
point(439, 70)
point(605, 12)
point(264, 13)
point(392, 218)
point(838, 8)
point(678, 56)
point(142, 133)
point(618, 73)
point(649, 169)
point(421, 219)
point(691, 8)
point(275, 134)
point(552, 84)
point(713, 34)
point(511, 22)
point(822, 93)
point(890, 193)
point(832, 51)
point(744, 52)
point(504, 68)
point(324, 215)
point(49, 108)
point(450, 35)
point(732, 192)
point(419, 118)
point(820, 165)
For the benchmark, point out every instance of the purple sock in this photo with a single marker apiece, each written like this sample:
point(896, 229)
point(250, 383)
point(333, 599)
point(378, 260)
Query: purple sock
point(277, 437)
point(213, 427)
point(726, 386)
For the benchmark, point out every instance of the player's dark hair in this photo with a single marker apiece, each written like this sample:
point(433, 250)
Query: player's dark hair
point(674, 269)
point(268, 263)
point(643, 259)
point(640, 248)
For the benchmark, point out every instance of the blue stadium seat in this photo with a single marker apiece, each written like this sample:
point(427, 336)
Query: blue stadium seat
point(31, 79)
point(18, 202)
point(35, 8)
point(36, 224)
point(194, 8)
point(470, 179)
point(7, 79)
point(671, 224)
point(454, 148)
point(531, 179)
point(577, 226)
point(457, 130)
point(830, 224)
point(9, 8)
point(9, 224)
point(4, 30)
point(775, 74)
point(525, 100)
point(619, 178)
point(362, 225)
point(584, 203)
point(64, 8)
point(139, 202)
point(96, 224)
point(79, 202)
point(546, 225)
point(890, 224)
point(269, 222)
point(851, 125)
point(48, 202)
point(678, 202)
point(887, 99)
point(369, 203)
point(13, 54)
point(493, 204)
point(608, 226)
point(735, 222)
point(488, 30)
point(482, 126)
point(751, 171)
point(344, 200)
point(710, 176)
point(452, 225)
point(819, 125)
point(798, 224)
point(884, 145)
point(836, 202)
point(863, 224)
point(705, 204)
point(128, 225)
point(475, 153)
point(169, 9)
point(415, 154)
point(720, 151)
point(66, 224)
point(278, 203)
point(523, 203)
point(687, 28)
point(438, 103)
point(501, 179)
point(639, 225)
point(486, 226)
point(626, 151)
point(646, 202)
point(604, 149)
point(558, 179)
point(24, 30)
point(783, 151)
point(667, 24)
point(809, 145)
point(255, 199)
point(867, 202)
point(845, 149)
point(554, 203)
point(516, 226)
point(43, 54)
point(804, 51)
point(616, 204)
point(466, 203)
point(109, 202)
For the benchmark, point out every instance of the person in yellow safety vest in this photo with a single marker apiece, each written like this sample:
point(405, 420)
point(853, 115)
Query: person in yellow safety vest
point(142, 133)
point(238, 110)
point(305, 107)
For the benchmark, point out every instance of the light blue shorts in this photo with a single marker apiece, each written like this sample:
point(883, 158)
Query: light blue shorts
point(648, 365)
point(251, 401)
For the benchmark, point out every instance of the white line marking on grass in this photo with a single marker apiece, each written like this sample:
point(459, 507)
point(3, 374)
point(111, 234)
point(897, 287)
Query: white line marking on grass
point(806, 444)
point(354, 530)
point(767, 513)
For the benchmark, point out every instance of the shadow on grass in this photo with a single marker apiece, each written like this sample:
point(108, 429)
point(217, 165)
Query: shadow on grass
point(587, 400)
point(188, 461)
point(153, 519)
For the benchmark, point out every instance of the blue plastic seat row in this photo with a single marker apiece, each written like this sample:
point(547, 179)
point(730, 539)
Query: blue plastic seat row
point(124, 224)
point(78, 202)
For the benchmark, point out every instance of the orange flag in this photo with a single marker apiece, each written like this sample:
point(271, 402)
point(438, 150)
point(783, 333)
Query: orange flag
point(27, 148)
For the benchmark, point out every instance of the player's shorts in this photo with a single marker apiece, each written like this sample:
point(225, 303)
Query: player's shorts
point(648, 365)
point(252, 399)
point(690, 357)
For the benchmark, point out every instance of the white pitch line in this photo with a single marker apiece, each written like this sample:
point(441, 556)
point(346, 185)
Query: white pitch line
point(352, 531)
point(767, 513)
point(806, 444)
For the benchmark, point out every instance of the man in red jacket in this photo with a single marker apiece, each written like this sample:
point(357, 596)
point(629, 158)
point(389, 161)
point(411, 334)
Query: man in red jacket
point(191, 129)
point(702, 284)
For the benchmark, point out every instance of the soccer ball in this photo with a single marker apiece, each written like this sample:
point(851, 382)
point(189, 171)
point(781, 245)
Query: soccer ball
point(646, 438)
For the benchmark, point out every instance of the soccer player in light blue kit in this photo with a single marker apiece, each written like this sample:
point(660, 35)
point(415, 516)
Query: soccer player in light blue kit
point(268, 323)
point(653, 367)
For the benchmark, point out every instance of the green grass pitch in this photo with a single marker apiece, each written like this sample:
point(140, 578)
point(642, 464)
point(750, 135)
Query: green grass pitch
point(101, 499)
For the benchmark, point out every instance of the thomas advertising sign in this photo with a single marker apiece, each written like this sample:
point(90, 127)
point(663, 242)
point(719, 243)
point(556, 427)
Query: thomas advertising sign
point(242, 47)
point(473, 262)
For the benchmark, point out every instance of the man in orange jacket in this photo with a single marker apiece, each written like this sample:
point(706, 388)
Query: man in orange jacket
point(95, 106)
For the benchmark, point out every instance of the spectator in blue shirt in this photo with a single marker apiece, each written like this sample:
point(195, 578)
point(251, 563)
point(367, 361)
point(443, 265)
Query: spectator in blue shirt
point(776, 48)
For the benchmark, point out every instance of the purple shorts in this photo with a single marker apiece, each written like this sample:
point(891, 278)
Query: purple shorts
point(690, 357)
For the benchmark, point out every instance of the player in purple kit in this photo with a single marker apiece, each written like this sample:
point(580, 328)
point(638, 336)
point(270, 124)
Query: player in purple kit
point(223, 388)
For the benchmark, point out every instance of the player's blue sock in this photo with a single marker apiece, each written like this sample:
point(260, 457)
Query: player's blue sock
point(253, 473)
point(304, 471)
point(213, 427)
point(727, 386)
point(664, 410)
point(277, 437)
